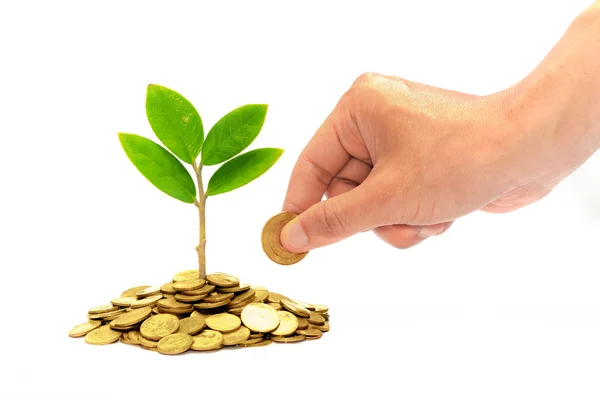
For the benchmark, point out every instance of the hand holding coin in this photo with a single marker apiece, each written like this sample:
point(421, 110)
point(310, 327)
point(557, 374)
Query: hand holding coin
point(271, 241)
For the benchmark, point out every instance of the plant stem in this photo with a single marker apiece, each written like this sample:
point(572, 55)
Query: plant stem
point(201, 204)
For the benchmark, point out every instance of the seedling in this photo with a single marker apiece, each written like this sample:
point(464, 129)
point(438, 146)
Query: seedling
point(179, 128)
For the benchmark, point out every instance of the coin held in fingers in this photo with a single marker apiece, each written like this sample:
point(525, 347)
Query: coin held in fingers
point(271, 240)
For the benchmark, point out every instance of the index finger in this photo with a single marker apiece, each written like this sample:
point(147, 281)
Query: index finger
point(321, 160)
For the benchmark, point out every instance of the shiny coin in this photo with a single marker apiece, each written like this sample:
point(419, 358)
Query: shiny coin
point(320, 308)
point(236, 337)
point(288, 339)
point(125, 339)
point(155, 310)
point(134, 337)
point(260, 317)
point(191, 325)
point(251, 341)
point(149, 348)
point(106, 314)
point(173, 304)
point(158, 326)
point(257, 287)
point(242, 298)
point(322, 328)
point(83, 329)
point(275, 297)
point(295, 308)
point(240, 304)
point(236, 310)
point(131, 292)
point(235, 289)
point(194, 284)
point(308, 306)
point(288, 323)
point(310, 332)
point(189, 299)
point(223, 322)
point(206, 289)
point(207, 340)
point(147, 301)
point(124, 301)
point(264, 342)
point(223, 280)
point(316, 318)
point(206, 306)
point(260, 296)
point(147, 342)
point(188, 275)
point(216, 297)
point(167, 288)
point(271, 240)
point(103, 309)
point(276, 306)
point(302, 323)
point(151, 291)
point(176, 343)
point(256, 335)
point(133, 317)
point(102, 335)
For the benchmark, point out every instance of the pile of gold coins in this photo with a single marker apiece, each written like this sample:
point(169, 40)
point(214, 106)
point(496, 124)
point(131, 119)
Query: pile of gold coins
point(190, 313)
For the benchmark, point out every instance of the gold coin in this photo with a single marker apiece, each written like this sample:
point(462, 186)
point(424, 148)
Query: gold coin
point(322, 328)
point(206, 289)
point(134, 336)
point(206, 306)
point(276, 306)
point(207, 340)
point(176, 343)
point(262, 343)
point(155, 310)
point(320, 308)
point(167, 288)
point(102, 335)
point(236, 337)
point(288, 339)
point(256, 287)
point(103, 309)
point(316, 318)
point(312, 332)
point(295, 308)
point(216, 297)
point(124, 301)
point(189, 285)
point(275, 297)
point(133, 317)
point(148, 348)
point(223, 322)
point(147, 301)
point(260, 295)
point(131, 292)
point(172, 304)
point(147, 342)
point(83, 329)
point(189, 299)
point(308, 306)
point(240, 303)
point(256, 335)
point(223, 280)
point(158, 326)
point(151, 291)
point(188, 275)
point(242, 298)
point(260, 317)
point(235, 289)
point(191, 325)
point(251, 341)
point(271, 240)
point(236, 310)
point(302, 323)
point(125, 339)
point(106, 314)
point(288, 323)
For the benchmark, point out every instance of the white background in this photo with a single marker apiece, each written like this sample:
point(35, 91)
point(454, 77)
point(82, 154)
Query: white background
point(501, 306)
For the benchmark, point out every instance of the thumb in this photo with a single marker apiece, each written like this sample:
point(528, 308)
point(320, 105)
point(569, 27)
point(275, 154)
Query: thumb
point(332, 220)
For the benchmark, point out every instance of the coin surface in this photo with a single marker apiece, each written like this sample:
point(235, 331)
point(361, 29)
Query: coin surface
point(151, 291)
point(83, 329)
point(189, 285)
point(260, 295)
point(308, 306)
point(245, 297)
point(107, 314)
point(320, 308)
point(184, 298)
point(276, 306)
point(206, 306)
point(102, 335)
point(191, 325)
point(271, 240)
point(133, 336)
point(102, 309)
point(176, 343)
point(223, 280)
point(223, 322)
point(295, 308)
point(236, 337)
point(158, 326)
point(288, 323)
point(251, 341)
point(167, 288)
point(188, 275)
point(302, 323)
point(131, 292)
point(262, 343)
point(235, 289)
point(316, 318)
point(288, 339)
point(260, 317)
point(217, 297)
point(207, 340)
point(323, 328)
point(124, 301)
point(147, 301)
point(147, 342)
point(206, 289)
point(275, 297)
point(310, 332)
point(132, 317)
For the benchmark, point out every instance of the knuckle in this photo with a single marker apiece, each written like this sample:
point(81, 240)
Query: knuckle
point(366, 78)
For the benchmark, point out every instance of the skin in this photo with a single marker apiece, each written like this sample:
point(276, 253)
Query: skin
point(405, 160)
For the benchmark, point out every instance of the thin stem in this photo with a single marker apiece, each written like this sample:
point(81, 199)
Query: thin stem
point(201, 204)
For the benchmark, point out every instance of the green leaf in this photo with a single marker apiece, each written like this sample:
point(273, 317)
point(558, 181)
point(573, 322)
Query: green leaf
point(233, 133)
point(242, 170)
point(175, 122)
point(159, 166)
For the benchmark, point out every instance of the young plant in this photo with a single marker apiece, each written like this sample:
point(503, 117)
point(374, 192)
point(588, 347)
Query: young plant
point(178, 126)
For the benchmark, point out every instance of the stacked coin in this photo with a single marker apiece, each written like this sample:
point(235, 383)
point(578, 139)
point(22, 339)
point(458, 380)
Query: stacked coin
point(190, 313)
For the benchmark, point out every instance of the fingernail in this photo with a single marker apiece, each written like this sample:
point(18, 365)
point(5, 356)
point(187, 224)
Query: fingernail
point(293, 235)
point(429, 231)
